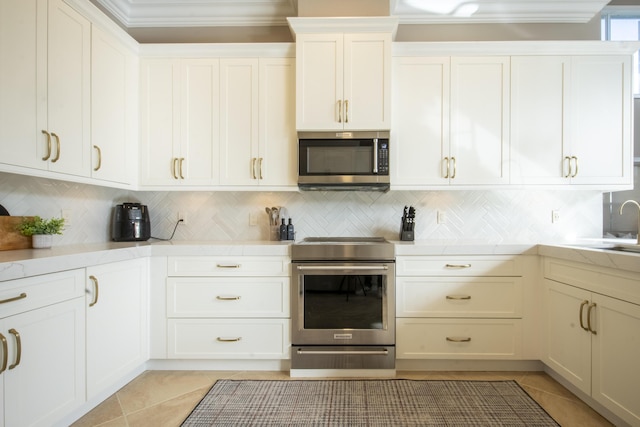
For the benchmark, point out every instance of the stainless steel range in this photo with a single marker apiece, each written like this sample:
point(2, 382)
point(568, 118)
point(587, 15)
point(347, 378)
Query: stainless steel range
point(343, 306)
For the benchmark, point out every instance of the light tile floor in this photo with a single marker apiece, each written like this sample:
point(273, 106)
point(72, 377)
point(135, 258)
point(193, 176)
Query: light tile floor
point(165, 398)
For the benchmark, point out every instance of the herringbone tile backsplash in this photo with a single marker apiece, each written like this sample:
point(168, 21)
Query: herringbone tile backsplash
point(504, 216)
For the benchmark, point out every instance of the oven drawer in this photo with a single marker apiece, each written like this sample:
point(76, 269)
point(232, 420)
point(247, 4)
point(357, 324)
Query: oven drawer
point(228, 338)
point(228, 297)
point(228, 266)
point(458, 266)
point(499, 297)
point(459, 339)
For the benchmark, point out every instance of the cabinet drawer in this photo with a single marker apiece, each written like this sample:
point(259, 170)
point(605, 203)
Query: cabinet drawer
point(227, 297)
point(458, 339)
point(228, 339)
point(228, 266)
point(17, 296)
point(458, 266)
point(459, 297)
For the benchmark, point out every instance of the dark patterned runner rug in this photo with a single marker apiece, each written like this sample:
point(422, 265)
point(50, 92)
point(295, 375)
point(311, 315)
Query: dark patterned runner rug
point(367, 403)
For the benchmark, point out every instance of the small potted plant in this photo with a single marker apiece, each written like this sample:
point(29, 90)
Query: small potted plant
point(41, 230)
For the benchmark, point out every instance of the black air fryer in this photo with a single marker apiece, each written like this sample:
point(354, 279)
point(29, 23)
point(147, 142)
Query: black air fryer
point(130, 223)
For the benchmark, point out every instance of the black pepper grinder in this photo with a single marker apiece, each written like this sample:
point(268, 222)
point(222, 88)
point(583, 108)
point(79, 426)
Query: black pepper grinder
point(283, 230)
point(290, 232)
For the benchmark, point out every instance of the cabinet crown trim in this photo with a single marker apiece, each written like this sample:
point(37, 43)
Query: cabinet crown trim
point(386, 24)
point(513, 48)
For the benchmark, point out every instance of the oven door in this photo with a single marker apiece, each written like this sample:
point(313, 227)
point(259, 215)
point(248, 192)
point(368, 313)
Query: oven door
point(343, 303)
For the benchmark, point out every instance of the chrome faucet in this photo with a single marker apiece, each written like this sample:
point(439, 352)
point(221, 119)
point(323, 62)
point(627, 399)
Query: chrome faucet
point(638, 205)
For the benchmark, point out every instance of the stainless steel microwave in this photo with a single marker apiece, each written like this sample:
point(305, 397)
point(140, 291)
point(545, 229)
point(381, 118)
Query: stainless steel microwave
point(343, 161)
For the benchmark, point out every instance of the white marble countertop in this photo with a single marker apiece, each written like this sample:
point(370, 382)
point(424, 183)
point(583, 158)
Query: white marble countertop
point(31, 262)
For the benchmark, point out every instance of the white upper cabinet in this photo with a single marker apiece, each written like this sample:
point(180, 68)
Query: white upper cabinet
point(45, 82)
point(114, 88)
point(180, 126)
point(239, 158)
point(571, 120)
point(450, 121)
point(343, 81)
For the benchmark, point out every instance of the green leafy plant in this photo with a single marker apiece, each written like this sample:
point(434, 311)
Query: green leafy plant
point(37, 225)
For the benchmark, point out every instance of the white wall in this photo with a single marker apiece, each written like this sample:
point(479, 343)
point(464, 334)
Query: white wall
point(494, 216)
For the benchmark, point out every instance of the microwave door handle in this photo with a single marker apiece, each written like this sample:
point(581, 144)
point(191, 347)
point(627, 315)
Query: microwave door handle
point(375, 155)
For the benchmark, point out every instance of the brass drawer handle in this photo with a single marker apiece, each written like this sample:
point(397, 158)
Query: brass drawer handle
point(18, 348)
point(453, 174)
point(222, 339)
point(19, 297)
point(585, 302)
point(229, 298)
point(228, 265)
point(260, 167)
point(458, 339)
point(181, 167)
point(346, 111)
point(459, 297)
point(457, 266)
point(95, 283)
point(5, 355)
point(174, 168)
point(445, 161)
point(591, 306)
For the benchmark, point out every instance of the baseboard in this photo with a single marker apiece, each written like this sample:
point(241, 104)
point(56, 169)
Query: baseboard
point(468, 365)
point(218, 365)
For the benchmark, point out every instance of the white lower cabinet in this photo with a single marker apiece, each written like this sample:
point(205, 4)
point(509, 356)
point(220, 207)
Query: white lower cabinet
point(117, 330)
point(592, 339)
point(459, 307)
point(228, 308)
point(42, 337)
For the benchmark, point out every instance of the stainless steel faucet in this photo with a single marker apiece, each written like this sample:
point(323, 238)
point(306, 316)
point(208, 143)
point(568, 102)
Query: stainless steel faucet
point(638, 205)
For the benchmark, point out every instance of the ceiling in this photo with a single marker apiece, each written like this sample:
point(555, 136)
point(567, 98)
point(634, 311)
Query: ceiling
point(215, 13)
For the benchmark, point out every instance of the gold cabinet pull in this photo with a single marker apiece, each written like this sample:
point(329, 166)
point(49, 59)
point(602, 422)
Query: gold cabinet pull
point(443, 171)
point(19, 297)
point(18, 348)
point(99, 158)
point(228, 265)
point(458, 297)
point(453, 160)
point(253, 168)
point(585, 302)
point(228, 298)
point(567, 161)
point(58, 148)
point(339, 111)
point(346, 111)
point(222, 339)
point(181, 167)
point(575, 162)
point(174, 167)
point(95, 285)
point(45, 158)
point(458, 339)
point(260, 167)
point(5, 355)
point(591, 306)
point(457, 266)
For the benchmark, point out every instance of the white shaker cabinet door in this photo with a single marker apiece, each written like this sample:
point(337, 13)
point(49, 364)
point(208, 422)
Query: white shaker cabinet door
point(117, 329)
point(420, 121)
point(69, 89)
point(600, 120)
point(539, 137)
point(278, 161)
point(479, 153)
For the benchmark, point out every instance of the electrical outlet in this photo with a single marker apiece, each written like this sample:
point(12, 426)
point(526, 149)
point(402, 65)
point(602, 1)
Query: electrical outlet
point(182, 216)
point(555, 216)
point(66, 215)
point(253, 218)
point(441, 217)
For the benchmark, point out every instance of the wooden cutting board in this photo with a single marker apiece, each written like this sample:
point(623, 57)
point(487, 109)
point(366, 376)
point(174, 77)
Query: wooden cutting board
point(10, 238)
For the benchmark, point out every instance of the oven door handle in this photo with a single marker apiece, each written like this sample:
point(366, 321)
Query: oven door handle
point(349, 352)
point(342, 268)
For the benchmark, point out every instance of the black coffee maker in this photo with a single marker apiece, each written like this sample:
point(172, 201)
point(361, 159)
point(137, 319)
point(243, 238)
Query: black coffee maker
point(130, 222)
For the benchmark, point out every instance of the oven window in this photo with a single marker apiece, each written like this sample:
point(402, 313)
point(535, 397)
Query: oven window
point(339, 302)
